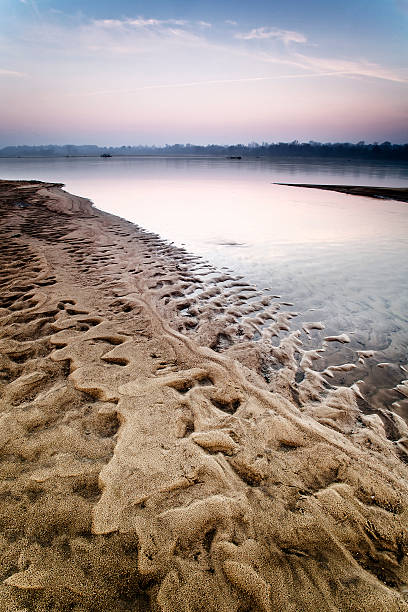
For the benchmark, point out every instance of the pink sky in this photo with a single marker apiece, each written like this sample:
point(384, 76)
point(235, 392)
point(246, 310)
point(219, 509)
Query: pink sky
point(131, 80)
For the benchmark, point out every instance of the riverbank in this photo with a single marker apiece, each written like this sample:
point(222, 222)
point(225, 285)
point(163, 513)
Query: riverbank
point(386, 193)
point(148, 462)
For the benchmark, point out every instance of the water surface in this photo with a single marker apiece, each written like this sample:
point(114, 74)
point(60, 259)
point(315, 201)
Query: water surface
point(337, 258)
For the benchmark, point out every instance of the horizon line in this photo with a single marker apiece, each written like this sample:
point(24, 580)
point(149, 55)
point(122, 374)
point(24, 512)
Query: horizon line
point(251, 144)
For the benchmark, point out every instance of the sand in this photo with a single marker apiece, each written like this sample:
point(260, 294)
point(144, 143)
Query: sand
point(384, 193)
point(154, 456)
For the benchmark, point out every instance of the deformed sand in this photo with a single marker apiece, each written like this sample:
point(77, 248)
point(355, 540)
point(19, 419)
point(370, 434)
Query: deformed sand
point(155, 456)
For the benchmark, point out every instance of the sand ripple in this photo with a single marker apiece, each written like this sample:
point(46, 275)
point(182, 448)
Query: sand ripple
point(165, 441)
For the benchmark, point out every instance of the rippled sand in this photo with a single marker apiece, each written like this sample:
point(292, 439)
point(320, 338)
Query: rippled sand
point(161, 451)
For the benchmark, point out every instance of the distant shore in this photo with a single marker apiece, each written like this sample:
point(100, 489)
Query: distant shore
point(385, 151)
point(384, 193)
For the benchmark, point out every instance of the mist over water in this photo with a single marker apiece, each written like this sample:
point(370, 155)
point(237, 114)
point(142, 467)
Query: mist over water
point(334, 258)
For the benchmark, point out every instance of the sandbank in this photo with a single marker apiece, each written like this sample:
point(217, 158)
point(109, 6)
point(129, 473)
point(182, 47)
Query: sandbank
point(155, 457)
point(385, 193)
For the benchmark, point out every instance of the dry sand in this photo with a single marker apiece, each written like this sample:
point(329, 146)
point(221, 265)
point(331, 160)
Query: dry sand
point(384, 193)
point(146, 462)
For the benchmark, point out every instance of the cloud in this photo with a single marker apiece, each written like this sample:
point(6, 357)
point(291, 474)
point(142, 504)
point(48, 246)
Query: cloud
point(287, 36)
point(159, 38)
point(129, 36)
point(140, 22)
point(12, 73)
point(166, 30)
point(231, 22)
point(360, 68)
point(33, 6)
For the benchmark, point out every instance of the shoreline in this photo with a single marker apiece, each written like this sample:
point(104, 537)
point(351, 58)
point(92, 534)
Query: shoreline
point(384, 193)
point(147, 463)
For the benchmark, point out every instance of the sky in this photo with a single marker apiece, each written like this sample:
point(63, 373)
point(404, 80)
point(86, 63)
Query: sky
point(127, 72)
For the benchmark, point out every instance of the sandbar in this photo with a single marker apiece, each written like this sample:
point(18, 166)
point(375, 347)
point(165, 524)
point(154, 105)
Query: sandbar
point(384, 193)
point(154, 456)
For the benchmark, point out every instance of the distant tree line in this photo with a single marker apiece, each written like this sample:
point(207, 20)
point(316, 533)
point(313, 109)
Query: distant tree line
point(384, 150)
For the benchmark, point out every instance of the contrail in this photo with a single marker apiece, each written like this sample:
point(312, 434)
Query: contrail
point(212, 82)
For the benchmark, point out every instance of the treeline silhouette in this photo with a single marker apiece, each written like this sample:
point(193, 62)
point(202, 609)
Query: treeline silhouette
point(361, 150)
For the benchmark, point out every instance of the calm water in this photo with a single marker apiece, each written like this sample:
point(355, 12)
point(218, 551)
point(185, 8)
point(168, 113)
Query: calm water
point(339, 259)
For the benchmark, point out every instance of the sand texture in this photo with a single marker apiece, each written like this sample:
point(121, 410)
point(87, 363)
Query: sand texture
point(156, 456)
point(384, 193)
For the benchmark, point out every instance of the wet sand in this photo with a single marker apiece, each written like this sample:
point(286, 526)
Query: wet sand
point(156, 456)
point(385, 193)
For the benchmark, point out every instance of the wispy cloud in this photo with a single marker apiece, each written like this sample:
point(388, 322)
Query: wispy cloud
point(33, 5)
point(133, 35)
point(204, 24)
point(231, 22)
point(12, 73)
point(139, 22)
point(160, 38)
point(360, 68)
point(287, 36)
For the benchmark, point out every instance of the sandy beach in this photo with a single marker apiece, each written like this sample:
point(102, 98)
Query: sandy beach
point(147, 463)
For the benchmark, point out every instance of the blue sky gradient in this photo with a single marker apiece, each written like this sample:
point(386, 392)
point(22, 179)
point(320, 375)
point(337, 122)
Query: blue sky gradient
point(138, 72)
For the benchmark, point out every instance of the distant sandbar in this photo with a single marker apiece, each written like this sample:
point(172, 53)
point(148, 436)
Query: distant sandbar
point(386, 193)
